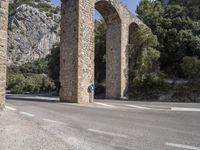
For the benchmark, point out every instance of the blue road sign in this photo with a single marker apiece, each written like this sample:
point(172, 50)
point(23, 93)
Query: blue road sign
point(91, 88)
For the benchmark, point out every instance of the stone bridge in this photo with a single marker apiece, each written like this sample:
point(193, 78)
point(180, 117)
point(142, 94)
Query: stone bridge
point(77, 48)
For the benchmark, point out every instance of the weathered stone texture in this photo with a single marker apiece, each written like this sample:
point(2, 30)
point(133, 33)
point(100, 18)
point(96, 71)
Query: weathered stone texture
point(69, 51)
point(77, 48)
point(86, 50)
point(3, 49)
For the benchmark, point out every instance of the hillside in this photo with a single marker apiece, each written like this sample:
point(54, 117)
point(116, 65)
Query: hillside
point(33, 30)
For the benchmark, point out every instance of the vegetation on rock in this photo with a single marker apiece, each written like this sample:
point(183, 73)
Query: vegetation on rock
point(30, 77)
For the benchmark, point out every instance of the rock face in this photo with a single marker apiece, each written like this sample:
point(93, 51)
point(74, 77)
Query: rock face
point(165, 2)
point(33, 30)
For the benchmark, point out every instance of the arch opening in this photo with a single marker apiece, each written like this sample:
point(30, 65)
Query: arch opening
point(107, 11)
point(134, 51)
point(108, 82)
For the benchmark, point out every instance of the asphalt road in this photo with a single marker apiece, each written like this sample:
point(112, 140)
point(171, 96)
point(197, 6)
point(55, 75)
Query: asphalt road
point(114, 125)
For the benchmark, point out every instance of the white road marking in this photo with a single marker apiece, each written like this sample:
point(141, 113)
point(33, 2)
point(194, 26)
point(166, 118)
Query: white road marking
point(182, 146)
point(107, 105)
point(136, 106)
point(53, 121)
point(108, 133)
point(185, 109)
point(10, 108)
point(27, 114)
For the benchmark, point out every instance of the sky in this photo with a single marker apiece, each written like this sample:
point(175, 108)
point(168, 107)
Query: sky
point(131, 4)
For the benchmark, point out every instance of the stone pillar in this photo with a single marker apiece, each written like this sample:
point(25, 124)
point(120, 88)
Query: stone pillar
point(124, 60)
point(77, 50)
point(116, 61)
point(3, 49)
point(113, 60)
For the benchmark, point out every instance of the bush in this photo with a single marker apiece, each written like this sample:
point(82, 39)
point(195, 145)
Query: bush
point(191, 67)
point(36, 67)
point(33, 83)
point(16, 82)
point(189, 92)
point(147, 84)
point(29, 77)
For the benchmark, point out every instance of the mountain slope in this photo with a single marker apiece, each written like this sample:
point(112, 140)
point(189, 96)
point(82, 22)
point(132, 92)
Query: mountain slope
point(33, 29)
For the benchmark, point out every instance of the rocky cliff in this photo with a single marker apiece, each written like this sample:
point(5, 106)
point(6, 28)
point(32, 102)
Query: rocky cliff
point(34, 28)
point(165, 2)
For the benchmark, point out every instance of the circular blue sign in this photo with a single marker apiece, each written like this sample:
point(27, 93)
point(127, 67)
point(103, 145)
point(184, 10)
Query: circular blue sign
point(91, 87)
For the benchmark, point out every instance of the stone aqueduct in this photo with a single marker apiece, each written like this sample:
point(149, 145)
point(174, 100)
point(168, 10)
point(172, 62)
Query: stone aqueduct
point(77, 48)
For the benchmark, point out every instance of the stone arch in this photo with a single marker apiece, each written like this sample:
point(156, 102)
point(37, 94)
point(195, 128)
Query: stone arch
point(113, 47)
point(108, 11)
point(77, 48)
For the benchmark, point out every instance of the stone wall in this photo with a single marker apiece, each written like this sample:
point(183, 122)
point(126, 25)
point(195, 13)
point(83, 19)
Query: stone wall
point(69, 51)
point(3, 49)
point(77, 50)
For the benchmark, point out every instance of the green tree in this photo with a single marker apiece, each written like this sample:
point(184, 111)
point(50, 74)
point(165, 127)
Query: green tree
point(47, 84)
point(191, 67)
point(36, 67)
point(29, 77)
point(54, 64)
point(143, 61)
point(177, 27)
point(16, 82)
point(143, 55)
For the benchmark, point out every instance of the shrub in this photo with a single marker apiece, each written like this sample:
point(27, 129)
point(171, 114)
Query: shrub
point(191, 67)
point(34, 83)
point(16, 82)
point(147, 84)
point(29, 77)
point(36, 67)
point(189, 92)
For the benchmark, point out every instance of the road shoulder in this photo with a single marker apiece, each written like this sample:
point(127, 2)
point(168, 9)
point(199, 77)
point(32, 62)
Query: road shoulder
point(19, 133)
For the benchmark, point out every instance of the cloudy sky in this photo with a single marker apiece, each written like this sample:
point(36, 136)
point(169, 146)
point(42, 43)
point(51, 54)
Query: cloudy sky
point(131, 4)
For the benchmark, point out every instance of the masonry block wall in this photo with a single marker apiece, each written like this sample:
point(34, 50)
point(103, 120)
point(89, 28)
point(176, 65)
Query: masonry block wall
point(3, 49)
point(77, 50)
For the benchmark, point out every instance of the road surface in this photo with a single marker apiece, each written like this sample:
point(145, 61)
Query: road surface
point(112, 124)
